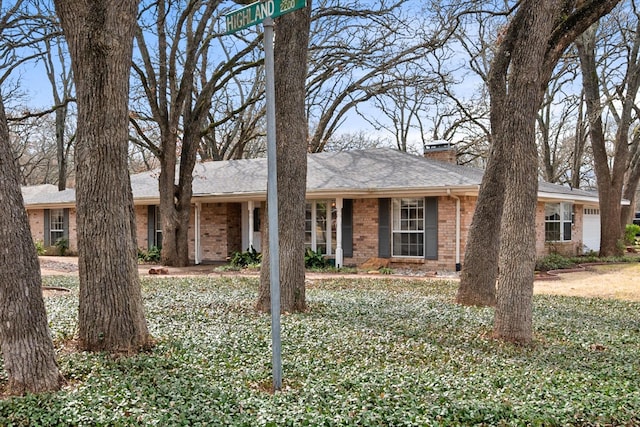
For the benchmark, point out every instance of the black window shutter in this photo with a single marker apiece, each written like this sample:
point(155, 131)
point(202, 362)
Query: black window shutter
point(347, 228)
point(151, 226)
point(431, 228)
point(65, 224)
point(47, 228)
point(384, 228)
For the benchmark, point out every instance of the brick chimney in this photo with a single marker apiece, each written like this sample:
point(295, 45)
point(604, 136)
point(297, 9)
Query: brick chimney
point(442, 151)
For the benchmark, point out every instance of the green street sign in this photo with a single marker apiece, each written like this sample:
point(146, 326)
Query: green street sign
point(255, 13)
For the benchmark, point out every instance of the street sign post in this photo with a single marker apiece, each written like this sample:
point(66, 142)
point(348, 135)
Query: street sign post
point(257, 12)
point(265, 11)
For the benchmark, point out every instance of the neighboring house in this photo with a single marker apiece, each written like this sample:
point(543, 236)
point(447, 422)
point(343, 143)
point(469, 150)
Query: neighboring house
point(360, 204)
point(52, 214)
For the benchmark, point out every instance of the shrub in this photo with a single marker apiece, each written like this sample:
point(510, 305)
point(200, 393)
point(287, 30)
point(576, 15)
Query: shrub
point(554, 261)
point(630, 233)
point(245, 259)
point(62, 244)
point(315, 259)
point(40, 248)
point(151, 255)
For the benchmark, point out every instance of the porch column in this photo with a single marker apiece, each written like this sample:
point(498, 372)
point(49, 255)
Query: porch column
point(250, 207)
point(339, 251)
point(197, 246)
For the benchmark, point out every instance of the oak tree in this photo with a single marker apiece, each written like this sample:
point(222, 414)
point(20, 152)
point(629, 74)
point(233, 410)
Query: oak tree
point(616, 81)
point(27, 349)
point(100, 38)
point(290, 67)
point(527, 53)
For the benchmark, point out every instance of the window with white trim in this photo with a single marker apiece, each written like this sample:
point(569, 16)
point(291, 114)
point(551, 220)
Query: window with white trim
point(407, 227)
point(558, 219)
point(56, 225)
point(320, 226)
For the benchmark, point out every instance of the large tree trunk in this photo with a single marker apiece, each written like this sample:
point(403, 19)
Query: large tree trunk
point(630, 191)
point(100, 38)
point(290, 51)
point(609, 187)
point(610, 175)
point(27, 349)
point(479, 272)
point(519, 94)
point(520, 71)
point(61, 152)
point(175, 204)
point(579, 142)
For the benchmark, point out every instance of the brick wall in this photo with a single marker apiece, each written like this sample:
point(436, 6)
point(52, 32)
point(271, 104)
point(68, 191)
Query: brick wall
point(73, 231)
point(220, 231)
point(448, 154)
point(36, 223)
point(142, 218)
point(365, 231)
point(234, 228)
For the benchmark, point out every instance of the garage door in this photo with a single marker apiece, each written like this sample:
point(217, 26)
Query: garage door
point(591, 229)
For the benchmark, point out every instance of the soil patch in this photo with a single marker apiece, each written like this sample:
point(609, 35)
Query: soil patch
point(614, 281)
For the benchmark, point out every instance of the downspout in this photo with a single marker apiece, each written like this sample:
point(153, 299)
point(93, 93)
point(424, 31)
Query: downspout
point(457, 199)
point(198, 250)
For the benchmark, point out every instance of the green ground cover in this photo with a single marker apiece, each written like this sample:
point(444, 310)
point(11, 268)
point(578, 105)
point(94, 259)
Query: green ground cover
point(368, 352)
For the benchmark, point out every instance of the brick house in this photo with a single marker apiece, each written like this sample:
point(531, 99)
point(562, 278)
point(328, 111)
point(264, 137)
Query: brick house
point(360, 204)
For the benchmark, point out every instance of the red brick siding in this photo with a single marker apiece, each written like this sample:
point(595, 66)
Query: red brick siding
point(365, 231)
point(142, 219)
point(220, 230)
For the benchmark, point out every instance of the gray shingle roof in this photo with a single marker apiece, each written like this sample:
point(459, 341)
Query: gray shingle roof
point(375, 171)
point(47, 194)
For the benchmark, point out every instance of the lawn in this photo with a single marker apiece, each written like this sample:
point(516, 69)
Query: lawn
point(368, 352)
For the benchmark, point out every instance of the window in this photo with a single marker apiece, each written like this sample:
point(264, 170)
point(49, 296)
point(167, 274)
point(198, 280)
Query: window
point(408, 228)
point(558, 218)
point(56, 225)
point(320, 226)
point(157, 235)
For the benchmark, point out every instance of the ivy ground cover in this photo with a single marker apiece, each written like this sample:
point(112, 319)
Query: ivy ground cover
point(367, 353)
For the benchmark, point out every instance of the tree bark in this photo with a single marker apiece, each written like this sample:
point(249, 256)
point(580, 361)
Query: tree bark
point(100, 39)
point(520, 71)
point(479, 273)
point(612, 176)
point(179, 89)
point(521, 92)
point(27, 349)
point(290, 63)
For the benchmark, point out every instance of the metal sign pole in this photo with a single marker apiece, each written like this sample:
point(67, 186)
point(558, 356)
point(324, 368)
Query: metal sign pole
point(264, 11)
point(272, 201)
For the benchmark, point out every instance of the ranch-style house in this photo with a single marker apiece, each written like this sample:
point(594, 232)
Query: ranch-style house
point(360, 204)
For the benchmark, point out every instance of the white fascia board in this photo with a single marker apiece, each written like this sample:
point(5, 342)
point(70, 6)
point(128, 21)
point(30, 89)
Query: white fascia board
point(228, 197)
point(470, 190)
point(146, 201)
point(545, 196)
point(63, 205)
